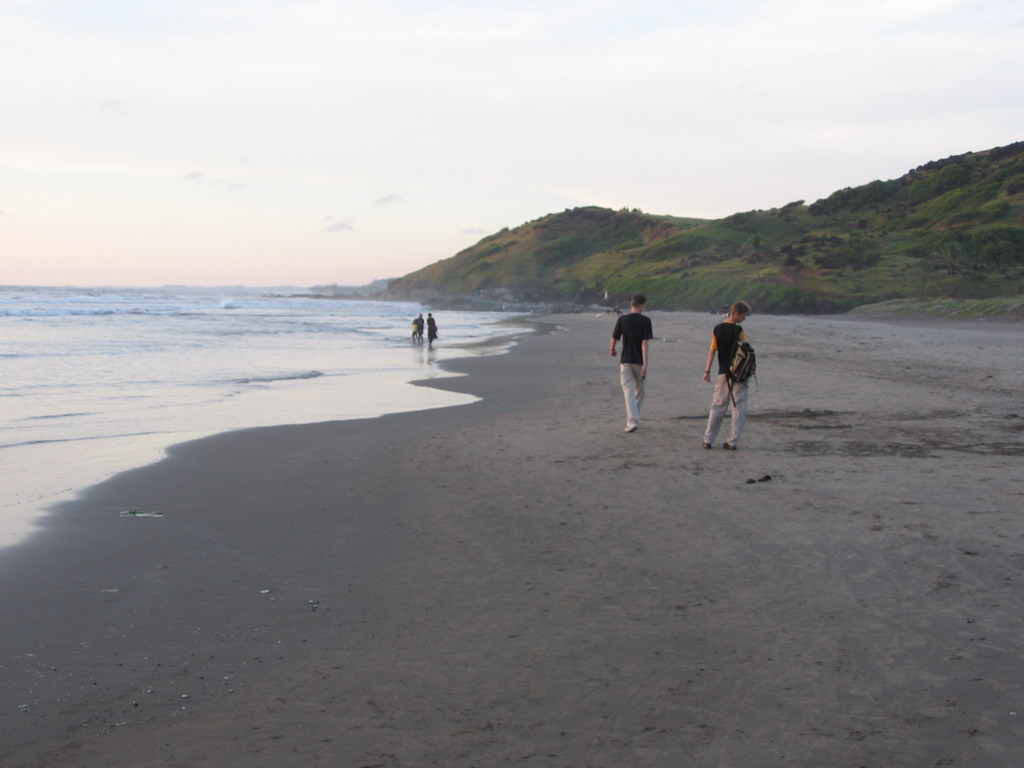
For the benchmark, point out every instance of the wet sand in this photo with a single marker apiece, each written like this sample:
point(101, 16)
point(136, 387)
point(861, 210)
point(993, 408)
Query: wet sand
point(518, 582)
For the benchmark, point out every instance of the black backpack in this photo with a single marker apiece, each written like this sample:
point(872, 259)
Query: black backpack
point(744, 363)
point(742, 367)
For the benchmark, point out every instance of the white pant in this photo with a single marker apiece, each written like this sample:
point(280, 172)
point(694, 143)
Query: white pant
point(633, 390)
point(719, 402)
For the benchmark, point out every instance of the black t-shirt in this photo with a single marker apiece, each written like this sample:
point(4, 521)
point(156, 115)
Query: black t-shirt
point(633, 329)
point(726, 337)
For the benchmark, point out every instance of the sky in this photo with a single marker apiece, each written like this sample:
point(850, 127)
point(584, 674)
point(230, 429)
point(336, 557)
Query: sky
point(309, 142)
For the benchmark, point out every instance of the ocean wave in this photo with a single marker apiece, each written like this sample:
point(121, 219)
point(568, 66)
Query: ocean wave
point(44, 312)
point(280, 377)
point(83, 303)
point(48, 416)
point(71, 311)
point(74, 439)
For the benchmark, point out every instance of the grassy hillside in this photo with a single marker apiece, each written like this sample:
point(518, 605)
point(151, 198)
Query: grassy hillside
point(952, 228)
point(530, 262)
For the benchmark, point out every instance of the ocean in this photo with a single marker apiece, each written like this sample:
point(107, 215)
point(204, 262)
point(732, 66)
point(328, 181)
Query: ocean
point(96, 381)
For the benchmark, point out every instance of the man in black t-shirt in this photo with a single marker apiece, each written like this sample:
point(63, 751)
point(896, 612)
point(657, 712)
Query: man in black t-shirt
point(635, 331)
point(724, 339)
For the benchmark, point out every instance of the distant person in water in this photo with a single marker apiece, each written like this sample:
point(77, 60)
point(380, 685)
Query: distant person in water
point(431, 329)
point(635, 331)
point(417, 329)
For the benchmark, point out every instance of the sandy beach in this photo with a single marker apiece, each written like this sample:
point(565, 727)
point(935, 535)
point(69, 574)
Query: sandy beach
point(518, 582)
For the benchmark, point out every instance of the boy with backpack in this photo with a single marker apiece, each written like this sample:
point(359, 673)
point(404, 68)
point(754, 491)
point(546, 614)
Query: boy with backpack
point(731, 384)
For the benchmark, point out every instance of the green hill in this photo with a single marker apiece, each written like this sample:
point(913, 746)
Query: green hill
point(952, 228)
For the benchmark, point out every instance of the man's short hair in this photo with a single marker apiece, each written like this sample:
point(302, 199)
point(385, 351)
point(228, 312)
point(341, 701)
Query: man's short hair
point(638, 300)
point(740, 307)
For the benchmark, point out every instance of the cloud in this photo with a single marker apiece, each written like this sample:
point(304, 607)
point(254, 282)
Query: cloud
point(474, 231)
point(113, 108)
point(198, 177)
point(227, 186)
point(340, 226)
point(388, 200)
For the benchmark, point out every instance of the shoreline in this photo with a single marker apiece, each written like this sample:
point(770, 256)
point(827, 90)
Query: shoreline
point(516, 576)
point(88, 461)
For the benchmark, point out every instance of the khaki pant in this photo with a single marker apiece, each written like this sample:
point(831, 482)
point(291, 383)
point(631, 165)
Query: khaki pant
point(719, 402)
point(633, 390)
